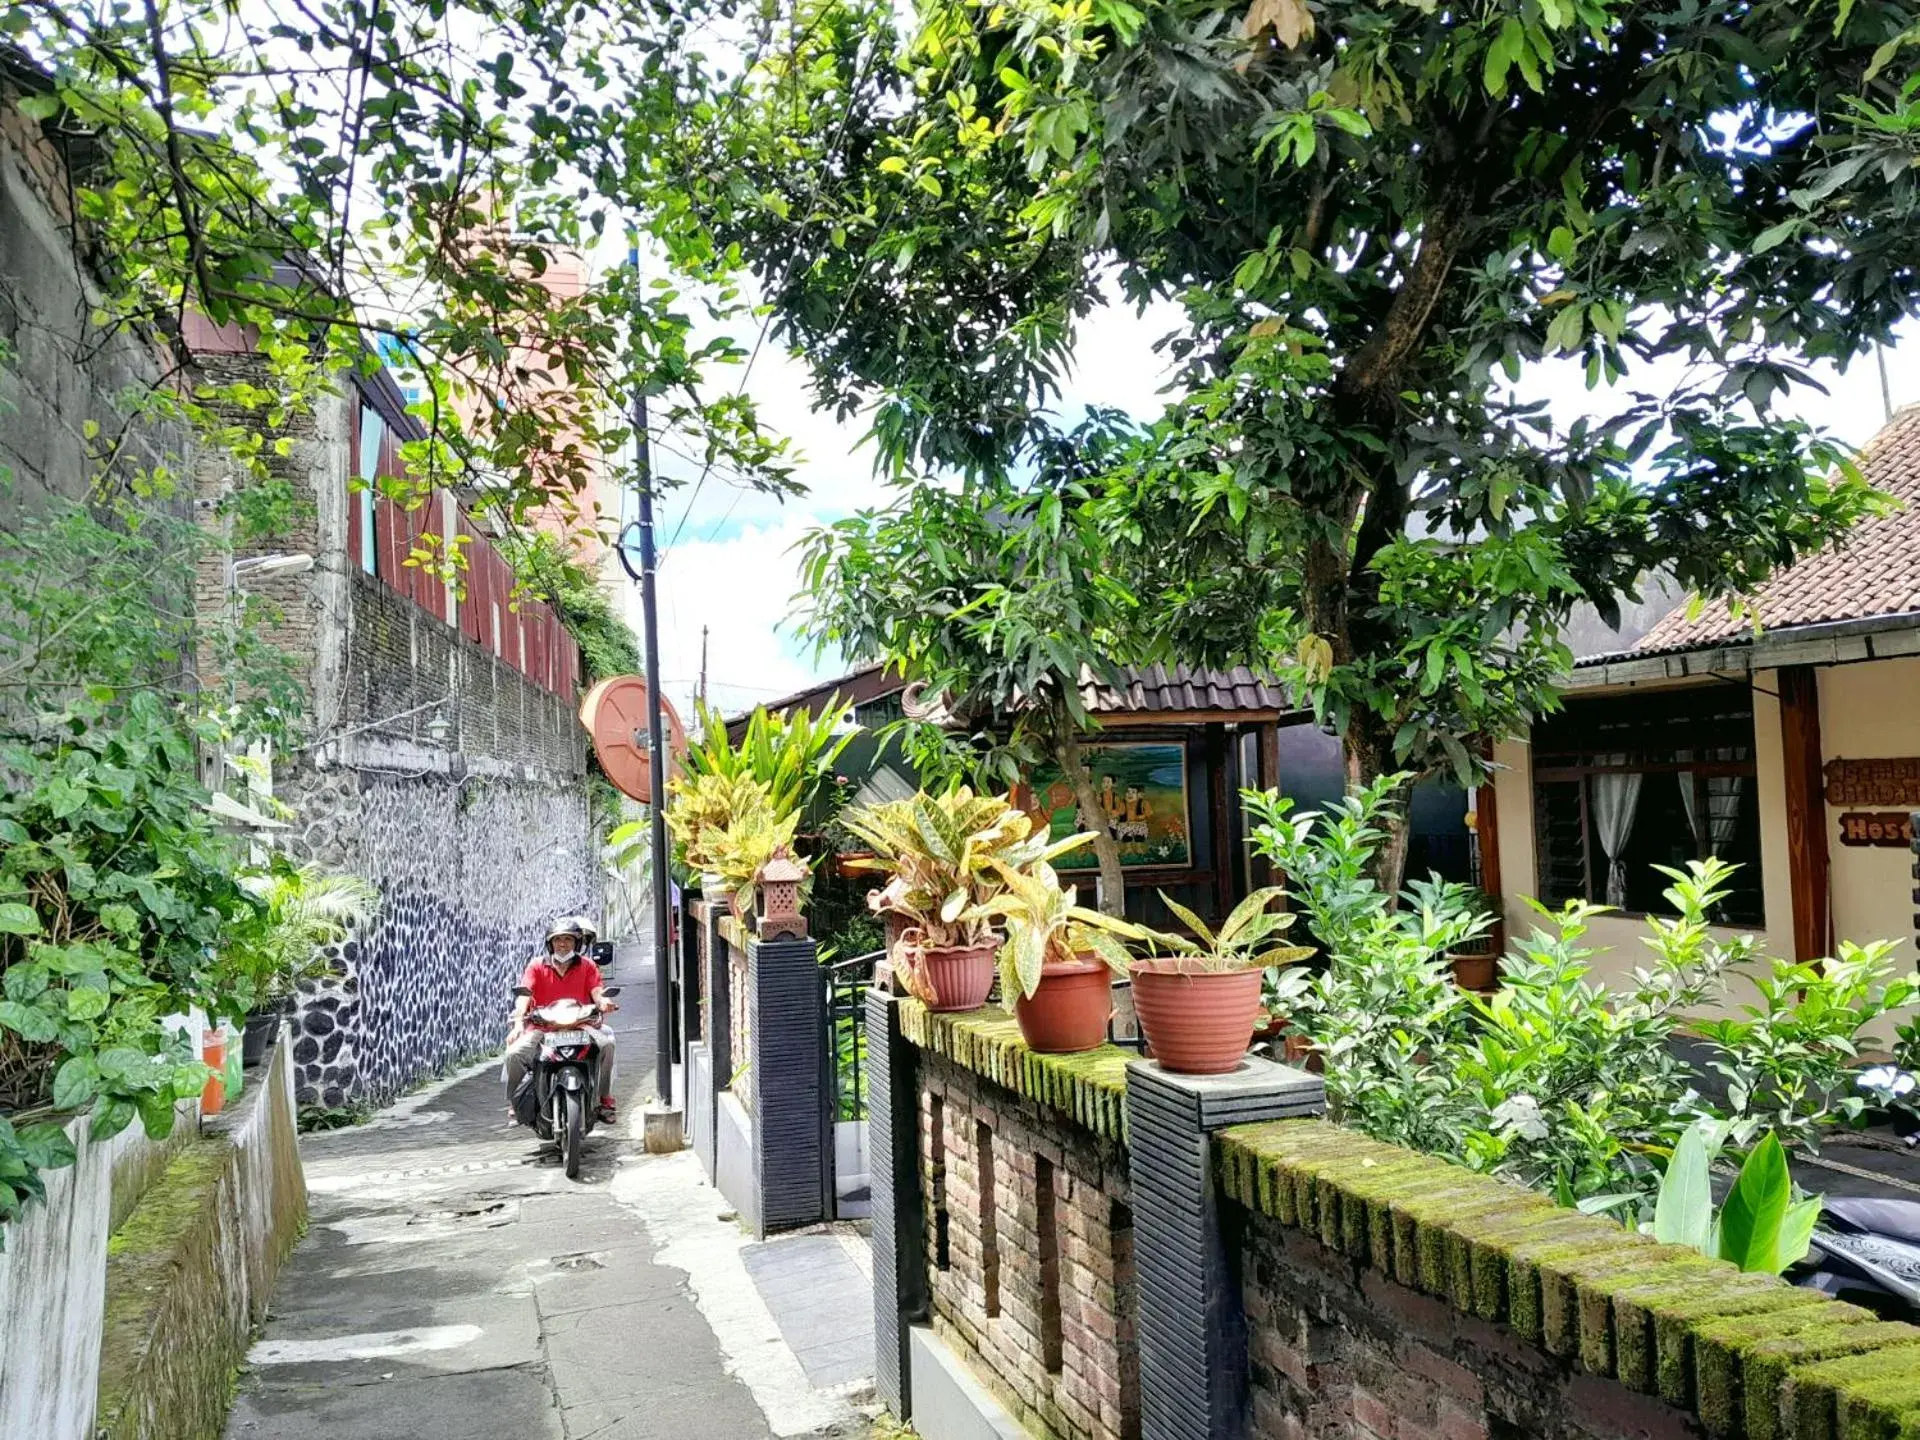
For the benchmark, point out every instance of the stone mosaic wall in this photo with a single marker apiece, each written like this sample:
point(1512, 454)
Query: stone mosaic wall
point(469, 873)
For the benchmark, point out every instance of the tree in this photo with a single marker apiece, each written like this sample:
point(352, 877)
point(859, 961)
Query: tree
point(1378, 215)
point(364, 182)
point(995, 598)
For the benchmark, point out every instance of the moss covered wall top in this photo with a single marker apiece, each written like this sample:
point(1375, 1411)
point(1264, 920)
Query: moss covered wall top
point(1748, 1354)
point(1090, 1087)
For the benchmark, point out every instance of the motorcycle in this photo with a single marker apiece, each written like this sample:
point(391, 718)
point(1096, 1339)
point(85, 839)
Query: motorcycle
point(1866, 1249)
point(559, 1099)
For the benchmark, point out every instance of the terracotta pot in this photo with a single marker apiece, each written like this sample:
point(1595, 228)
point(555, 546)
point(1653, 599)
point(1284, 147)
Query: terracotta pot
point(1068, 1011)
point(1268, 1026)
point(1303, 1053)
point(1197, 1021)
point(1474, 972)
point(958, 978)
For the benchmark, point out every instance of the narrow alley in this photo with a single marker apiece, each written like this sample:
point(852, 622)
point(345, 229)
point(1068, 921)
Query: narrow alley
point(455, 1284)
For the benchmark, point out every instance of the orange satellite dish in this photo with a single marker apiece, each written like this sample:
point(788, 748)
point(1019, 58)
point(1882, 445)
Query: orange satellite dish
point(615, 715)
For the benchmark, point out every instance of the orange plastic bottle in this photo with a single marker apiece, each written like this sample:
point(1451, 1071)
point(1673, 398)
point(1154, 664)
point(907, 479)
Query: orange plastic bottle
point(213, 1054)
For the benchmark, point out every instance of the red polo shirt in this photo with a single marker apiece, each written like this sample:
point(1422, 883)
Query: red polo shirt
point(547, 984)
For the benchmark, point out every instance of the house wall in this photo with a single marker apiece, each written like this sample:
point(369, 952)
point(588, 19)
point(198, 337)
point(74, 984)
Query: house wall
point(475, 839)
point(1619, 939)
point(64, 372)
point(1866, 712)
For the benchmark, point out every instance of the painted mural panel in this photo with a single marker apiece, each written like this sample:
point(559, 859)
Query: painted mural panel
point(1143, 790)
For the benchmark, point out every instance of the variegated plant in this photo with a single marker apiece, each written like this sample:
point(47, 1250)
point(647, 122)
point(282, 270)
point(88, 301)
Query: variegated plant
point(1046, 923)
point(1241, 943)
point(946, 857)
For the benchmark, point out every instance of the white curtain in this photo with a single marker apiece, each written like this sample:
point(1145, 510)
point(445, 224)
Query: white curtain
point(1616, 797)
point(1724, 793)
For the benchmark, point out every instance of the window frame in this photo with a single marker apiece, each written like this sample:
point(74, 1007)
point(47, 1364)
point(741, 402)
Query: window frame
point(1559, 768)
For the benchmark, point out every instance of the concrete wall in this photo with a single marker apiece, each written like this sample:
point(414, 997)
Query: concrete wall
point(52, 1288)
point(190, 1273)
point(65, 371)
point(54, 1285)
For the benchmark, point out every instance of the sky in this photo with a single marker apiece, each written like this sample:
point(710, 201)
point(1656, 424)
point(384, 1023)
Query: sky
point(728, 554)
point(728, 559)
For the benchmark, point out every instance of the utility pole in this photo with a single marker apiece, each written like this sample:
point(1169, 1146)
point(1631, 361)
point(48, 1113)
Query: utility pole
point(656, 739)
point(703, 667)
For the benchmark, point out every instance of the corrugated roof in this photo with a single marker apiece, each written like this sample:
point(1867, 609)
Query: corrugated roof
point(1874, 571)
point(1150, 690)
point(1171, 689)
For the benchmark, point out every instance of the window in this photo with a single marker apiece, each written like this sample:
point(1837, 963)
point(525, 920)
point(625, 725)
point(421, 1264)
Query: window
point(1621, 785)
point(372, 433)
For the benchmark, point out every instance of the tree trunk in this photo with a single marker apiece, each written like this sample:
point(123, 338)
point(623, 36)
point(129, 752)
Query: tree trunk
point(1106, 849)
point(1368, 750)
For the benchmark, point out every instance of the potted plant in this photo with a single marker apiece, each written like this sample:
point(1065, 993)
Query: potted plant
point(944, 856)
point(725, 827)
point(1475, 957)
point(301, 909)
point(1198, 1006)
point(1058, 960)
point(738, 849)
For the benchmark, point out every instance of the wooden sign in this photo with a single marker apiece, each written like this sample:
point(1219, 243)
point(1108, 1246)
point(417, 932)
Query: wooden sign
point(1893, 781)
point(1864, 827)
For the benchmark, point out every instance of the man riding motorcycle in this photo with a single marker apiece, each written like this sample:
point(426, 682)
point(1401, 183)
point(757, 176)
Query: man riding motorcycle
point(562, 973)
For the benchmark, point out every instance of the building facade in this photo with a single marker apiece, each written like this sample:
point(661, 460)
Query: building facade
point(441, 758)
point(1790, 750)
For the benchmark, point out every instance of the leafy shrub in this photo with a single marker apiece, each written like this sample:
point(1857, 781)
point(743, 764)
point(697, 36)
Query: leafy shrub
point(1788, 1062)
point(1554, 1080)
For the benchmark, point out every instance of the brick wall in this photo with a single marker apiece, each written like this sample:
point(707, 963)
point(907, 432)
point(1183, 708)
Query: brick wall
point(1340, 1351)
point(1376, 1294)
point(1030, 1242)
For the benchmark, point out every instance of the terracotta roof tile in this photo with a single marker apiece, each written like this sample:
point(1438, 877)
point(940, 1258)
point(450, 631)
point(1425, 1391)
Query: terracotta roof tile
point(1874, 571)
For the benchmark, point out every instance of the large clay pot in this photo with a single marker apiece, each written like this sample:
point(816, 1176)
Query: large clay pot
point(1069, 1009)
point(1474, 971)
point(1197, 1021)
point(958, 978)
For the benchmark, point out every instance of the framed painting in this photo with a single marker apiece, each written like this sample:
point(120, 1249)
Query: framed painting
point(1143, 790)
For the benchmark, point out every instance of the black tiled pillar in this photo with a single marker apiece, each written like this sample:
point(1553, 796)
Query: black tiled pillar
point(898, 1234)
point(1192, 1330)
point(787, 1032)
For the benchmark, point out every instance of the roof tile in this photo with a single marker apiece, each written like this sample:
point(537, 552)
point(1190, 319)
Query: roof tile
point(1874, 571)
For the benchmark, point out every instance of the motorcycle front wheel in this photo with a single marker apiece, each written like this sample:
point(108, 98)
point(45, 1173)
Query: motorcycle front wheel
point(574, 1138)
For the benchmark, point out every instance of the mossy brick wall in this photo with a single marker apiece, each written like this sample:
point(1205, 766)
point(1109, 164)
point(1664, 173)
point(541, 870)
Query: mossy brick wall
point(1391, 1294)
point(1029, 1231)
point(190, 1272)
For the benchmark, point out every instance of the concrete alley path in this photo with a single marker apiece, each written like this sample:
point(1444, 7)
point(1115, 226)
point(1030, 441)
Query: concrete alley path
point(455, 1285)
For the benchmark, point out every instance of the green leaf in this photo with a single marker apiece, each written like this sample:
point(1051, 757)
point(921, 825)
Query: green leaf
point(157, 1114)
point(74, 1082)
point(18, 919)
point(113, 1116)
point(1683, 1214)
point(1750, 1221)
point(86, 1003)
point(28, 1022)
point(1796, 1233)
